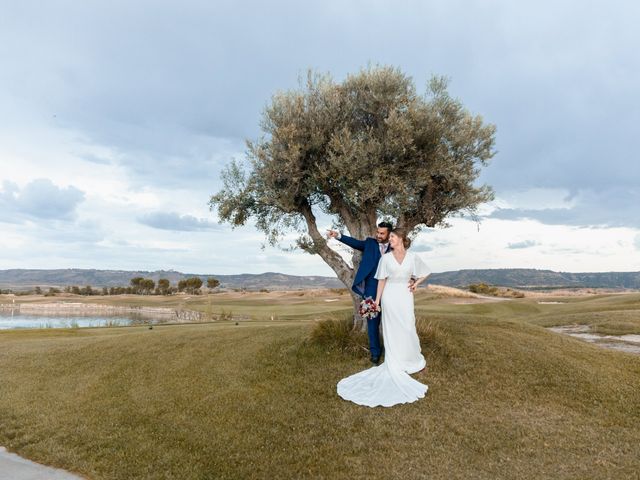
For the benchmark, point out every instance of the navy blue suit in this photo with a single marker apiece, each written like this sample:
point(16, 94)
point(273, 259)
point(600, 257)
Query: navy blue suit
point(365, 284)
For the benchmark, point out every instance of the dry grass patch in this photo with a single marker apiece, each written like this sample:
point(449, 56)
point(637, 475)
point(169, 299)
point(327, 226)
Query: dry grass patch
point(507, 399)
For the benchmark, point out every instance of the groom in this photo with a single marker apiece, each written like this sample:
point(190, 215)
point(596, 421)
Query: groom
point(364, 283)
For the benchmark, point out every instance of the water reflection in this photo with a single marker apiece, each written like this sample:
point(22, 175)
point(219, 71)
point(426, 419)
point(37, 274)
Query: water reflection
point(13, 320)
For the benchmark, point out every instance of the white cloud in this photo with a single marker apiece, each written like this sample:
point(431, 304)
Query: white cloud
point(522, 244)
point(612, 207)
point(421, 247)
point(121, 132)
point(38, 199)
point(558, 247)
point(175, 221)
point(533, 198)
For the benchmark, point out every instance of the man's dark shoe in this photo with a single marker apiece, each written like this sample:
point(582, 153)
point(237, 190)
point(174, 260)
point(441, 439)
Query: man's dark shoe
point(375, 360)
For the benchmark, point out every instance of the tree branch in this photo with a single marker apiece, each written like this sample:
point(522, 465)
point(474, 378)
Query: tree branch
point(333, 259)
point(342, 209)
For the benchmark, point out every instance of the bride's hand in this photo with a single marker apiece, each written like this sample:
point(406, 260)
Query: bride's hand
point(412, 287)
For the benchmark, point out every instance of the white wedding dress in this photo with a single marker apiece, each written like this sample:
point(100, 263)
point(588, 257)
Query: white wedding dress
point(389, 383)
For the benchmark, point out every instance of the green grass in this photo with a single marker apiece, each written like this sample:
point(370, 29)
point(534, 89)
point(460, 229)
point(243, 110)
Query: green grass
point(606, 314)
point(507, 399)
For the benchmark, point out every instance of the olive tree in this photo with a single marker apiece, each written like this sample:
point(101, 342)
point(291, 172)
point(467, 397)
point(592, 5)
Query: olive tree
point(164, 286)
point(357, 151)
point(212, 283)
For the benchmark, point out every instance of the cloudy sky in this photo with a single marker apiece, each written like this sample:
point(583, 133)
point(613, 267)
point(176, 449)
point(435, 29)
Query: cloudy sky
point(118, 116)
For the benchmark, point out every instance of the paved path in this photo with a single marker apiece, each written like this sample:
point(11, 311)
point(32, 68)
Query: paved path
point(14, 467)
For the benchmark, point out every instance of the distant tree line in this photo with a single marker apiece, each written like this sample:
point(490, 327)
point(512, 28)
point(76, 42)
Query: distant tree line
point(86, 290)
point(147, 286)
point(37, 290)
point(137, 286)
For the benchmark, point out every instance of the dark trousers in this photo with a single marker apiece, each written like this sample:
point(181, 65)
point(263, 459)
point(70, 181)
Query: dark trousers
point(373, 325)
point(373, 331)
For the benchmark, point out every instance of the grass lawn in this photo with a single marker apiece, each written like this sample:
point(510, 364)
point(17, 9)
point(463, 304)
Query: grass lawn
point(507, 399)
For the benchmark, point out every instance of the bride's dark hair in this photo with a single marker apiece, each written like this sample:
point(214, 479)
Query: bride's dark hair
point(403, 234)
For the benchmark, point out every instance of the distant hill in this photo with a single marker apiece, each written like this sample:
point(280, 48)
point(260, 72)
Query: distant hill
point(507, 277)
point(22, 278)
point(532, 278)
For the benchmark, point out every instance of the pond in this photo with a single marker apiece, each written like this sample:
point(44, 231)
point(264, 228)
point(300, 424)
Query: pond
point(13, 320)
point(627, 343)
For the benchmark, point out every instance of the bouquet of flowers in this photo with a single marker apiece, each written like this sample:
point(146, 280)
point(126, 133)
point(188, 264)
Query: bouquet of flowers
point(368, 308)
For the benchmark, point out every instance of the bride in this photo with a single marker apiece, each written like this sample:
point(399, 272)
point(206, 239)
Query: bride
point(389, 383)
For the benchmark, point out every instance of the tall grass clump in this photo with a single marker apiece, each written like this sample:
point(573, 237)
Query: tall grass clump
point(434, 338)
point(338, 334)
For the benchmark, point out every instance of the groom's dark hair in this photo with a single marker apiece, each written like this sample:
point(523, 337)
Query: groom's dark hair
point(386, 225)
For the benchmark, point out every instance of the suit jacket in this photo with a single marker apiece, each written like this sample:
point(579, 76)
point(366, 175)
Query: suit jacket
point(364, 282)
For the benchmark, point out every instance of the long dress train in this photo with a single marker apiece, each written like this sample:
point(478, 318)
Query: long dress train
point(389, 383)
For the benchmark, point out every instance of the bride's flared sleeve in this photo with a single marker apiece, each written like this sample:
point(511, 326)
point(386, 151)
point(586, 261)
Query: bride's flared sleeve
point(383, 271)
point(420, 268)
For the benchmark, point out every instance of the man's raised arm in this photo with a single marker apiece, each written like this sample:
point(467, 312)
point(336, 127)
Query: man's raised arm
point(352, 242)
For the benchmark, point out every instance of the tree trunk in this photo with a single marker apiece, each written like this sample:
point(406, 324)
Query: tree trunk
point(358, 321)
point(361, 230)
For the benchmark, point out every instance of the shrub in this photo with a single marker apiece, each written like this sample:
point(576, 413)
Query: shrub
point(483, 289)
point(339, 334)
point(510, 293)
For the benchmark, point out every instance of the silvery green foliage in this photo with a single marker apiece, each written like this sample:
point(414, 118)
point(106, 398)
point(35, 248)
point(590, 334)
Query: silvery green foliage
point(367, 148)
